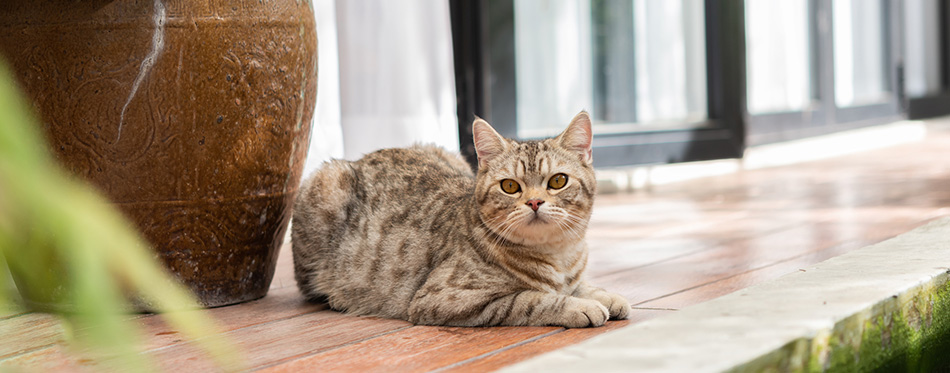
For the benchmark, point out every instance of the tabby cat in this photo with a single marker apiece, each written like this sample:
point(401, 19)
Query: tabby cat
point(412, 234)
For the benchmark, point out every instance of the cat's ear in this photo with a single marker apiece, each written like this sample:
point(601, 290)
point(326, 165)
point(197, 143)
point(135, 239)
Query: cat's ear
point(488, 143)
point(578, 137)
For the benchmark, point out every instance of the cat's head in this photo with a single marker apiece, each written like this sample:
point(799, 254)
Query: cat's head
point(536, 192)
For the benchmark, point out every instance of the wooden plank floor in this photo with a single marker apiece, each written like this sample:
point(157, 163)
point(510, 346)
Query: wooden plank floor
point(664, 249)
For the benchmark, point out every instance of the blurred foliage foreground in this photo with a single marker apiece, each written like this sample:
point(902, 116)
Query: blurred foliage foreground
point(65, 244)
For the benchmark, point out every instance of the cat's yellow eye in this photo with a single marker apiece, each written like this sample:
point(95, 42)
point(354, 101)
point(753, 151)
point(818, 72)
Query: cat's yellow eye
point(557, 181)
point(510, 186)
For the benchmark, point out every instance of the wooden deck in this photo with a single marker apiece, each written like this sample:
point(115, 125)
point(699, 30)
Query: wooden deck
point(664, 249)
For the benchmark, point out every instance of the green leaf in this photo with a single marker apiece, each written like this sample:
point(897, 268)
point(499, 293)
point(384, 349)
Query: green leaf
point(66, 245)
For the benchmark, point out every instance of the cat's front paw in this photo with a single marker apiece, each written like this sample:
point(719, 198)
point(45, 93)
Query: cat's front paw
point(582, 313)
point(616, 304)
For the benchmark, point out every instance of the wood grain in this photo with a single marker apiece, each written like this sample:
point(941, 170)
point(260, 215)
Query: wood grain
point(27, 332)
point(546, 343)
point(720, 287)
point(417, 349)
point(284, 340)
point(280, 304)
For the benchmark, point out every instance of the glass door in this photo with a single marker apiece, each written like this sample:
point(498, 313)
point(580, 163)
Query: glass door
point(679, 80)
point(659, 77)
point(820, 66)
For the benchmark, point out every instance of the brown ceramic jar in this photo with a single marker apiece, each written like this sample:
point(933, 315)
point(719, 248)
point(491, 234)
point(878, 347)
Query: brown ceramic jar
point(192, 116)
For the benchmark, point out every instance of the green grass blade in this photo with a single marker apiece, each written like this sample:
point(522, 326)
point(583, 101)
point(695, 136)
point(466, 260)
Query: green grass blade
point(63, 240)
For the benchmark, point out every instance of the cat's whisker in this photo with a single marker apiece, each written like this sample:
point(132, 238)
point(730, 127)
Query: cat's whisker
point(516, 221)
point(569, 222)
point(577, 219)
point(567, 227)
point(505, 225)
point(491, 222)
point(503, 231)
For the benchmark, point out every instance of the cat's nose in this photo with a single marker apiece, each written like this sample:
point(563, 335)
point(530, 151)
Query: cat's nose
point(535, 204)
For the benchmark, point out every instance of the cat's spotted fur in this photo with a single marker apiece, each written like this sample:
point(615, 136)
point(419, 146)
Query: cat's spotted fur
point(413, 234)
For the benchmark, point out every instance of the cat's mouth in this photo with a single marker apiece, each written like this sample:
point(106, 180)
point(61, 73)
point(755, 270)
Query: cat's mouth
point(537, 219)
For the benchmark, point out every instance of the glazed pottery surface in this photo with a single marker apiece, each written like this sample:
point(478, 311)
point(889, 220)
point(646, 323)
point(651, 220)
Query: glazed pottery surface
point(193, 117)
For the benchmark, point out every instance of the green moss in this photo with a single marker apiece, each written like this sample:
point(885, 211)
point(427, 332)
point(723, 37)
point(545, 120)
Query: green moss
point(906, 333)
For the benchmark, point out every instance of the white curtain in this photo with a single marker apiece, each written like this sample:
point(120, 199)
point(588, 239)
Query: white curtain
point(858, 52)
point(777, 55)
point(386, 78)
point(670, 60)
point(326, 137)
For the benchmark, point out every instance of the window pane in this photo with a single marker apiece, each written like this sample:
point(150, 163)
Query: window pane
point(615, 81)
point(778, 56)
point(860, 76)
point(629, 62)
point(552, 64)
point(671, 60)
